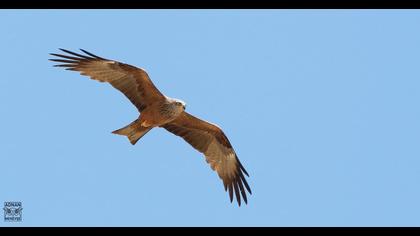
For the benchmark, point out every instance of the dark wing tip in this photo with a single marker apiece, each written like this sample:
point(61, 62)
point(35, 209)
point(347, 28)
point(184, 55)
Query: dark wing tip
point(243, 180)
point(242, 167)
point(243, 193)
point(75, 54)
point(236, 186)
point(61, 60)
point(64, 50)
point(72, 59)
point(91, 54)
point(236, 190)
point(231, 192)
point(238, 196)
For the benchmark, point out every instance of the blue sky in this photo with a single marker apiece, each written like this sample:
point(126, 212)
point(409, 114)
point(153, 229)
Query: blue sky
point(322, 107)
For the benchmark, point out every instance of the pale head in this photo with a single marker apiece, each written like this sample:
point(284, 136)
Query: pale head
point(177, 102)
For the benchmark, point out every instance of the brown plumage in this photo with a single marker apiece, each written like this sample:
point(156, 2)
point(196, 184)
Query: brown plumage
point(158, 110)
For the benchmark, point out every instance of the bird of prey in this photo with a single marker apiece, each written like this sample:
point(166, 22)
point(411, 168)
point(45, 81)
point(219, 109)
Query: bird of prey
point(158, 110)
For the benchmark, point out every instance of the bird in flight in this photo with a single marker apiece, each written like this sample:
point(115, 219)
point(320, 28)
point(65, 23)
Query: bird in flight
point(158, 110)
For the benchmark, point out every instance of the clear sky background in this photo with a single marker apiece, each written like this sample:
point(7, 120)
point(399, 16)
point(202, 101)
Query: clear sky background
point(322, 107)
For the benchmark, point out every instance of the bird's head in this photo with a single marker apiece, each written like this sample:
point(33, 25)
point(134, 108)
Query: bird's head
point(180, 103)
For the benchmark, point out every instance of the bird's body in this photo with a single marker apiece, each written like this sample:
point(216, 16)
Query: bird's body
point(161, 112)
point(156, 114)
point(158, 110)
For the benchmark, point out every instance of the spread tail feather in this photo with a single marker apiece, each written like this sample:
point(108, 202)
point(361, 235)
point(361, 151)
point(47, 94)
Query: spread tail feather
point(134, 131)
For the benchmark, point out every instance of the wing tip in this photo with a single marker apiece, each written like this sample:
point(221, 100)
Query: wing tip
point(241, 166)
point(91, 54)
point(81, 57)
point(64, 50)
point(235, 188)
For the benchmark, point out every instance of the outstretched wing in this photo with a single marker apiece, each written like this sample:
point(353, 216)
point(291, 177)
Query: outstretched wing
point(213, 143)
point(133, 82)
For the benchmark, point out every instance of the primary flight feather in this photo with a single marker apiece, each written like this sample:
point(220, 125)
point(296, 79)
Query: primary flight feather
point(158, 110)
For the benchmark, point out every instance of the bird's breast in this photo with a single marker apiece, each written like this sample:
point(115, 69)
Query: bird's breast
point(168, 112)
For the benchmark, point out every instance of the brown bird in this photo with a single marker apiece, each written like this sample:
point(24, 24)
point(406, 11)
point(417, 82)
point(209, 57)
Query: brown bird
point(158, 110)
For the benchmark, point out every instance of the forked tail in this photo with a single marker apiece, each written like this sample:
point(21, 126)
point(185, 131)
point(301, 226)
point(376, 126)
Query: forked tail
point(134, 131)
